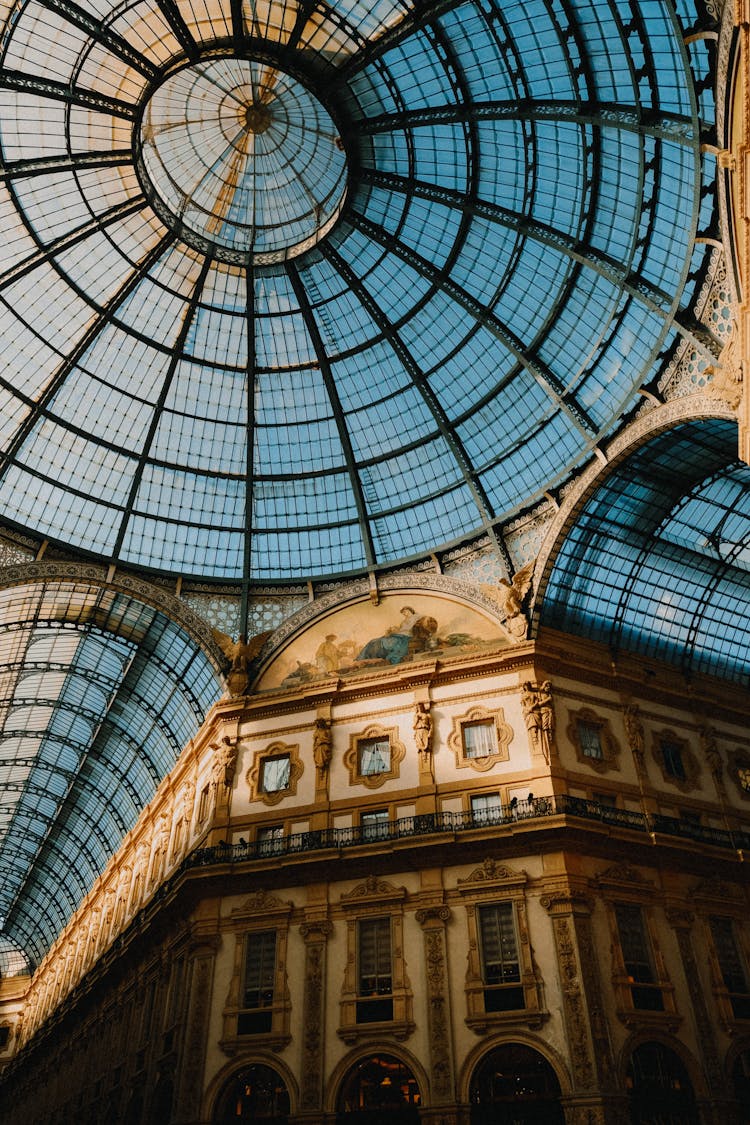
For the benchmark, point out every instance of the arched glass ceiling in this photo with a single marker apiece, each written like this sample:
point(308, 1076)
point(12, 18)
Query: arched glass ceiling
point(658, 562)
point(521, 194)
point(98, 695)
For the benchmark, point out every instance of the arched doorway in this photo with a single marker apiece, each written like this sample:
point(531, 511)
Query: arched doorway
point(515, 1085)
point(379, 1089)
point(660, 1090)
point(255, 1094)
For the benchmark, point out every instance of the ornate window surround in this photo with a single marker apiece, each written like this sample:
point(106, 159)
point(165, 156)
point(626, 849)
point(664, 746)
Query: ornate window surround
point(254, 775)
point(609, 744)
point(503, 736)
point(488, 885)
point(716, 898)
point(351, 757)
point(373, 899)
point(624, 884)
point(689, 761)
point(260, 912)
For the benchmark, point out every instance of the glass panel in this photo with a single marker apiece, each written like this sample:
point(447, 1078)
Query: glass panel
point(275, 774)
point(479, 739)
point(589, 735)
point(374, 756)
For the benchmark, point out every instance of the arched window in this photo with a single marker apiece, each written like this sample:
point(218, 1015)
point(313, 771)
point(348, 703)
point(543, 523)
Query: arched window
point(660, 1090)
point(256, 1094)
point(515, 1085)
point(379, 1089)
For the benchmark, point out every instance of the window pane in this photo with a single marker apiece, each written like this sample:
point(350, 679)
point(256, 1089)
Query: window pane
point(374, 825)
point(486, 807)
point(374, 956)
point(479, 739)
point(730, 961)
point(499, 948)
point(276, 774)
point(589, 735)
point(374, 756)
point(260, 962)
point(672, 757)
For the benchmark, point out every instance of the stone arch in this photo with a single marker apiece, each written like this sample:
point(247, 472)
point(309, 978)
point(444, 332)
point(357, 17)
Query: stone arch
point(220, 1083)
point(645, 1060)
point(475, 1056)
point(347, 1065)
point(513, 1081)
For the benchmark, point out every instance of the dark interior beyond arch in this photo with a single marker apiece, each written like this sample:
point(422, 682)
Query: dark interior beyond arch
point(379, 1089)
point(515, 1085)
point(257, 1094)
point(660, 1089)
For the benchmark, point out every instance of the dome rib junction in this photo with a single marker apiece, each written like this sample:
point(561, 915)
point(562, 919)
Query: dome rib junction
point(360, 282)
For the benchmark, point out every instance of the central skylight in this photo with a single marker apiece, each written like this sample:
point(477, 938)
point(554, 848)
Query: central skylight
point(291, 290)
point(244, 161)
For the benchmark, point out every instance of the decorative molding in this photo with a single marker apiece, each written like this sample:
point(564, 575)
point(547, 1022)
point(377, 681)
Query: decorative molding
point(492, 874)
point(503, 738)
point(688, 759)
point(254, 775)
point(397, 755)
point(609, 745)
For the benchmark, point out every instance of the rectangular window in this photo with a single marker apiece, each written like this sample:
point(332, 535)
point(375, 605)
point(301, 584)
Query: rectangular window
point(202, 804)
point(479, 739)
point(636, 951)
point(501, 970)
point(374, 756)
point(275, 774)
point(375, 980)
point(270, 839)
point(732, 967)
point(671, 755)
point(486, 808)
point(590, 738)
point(375, 825)
point(257, 985)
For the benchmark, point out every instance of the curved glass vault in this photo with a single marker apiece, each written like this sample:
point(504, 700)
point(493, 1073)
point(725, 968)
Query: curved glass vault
point(98, 695)
point(658, 561)
point(301, 289)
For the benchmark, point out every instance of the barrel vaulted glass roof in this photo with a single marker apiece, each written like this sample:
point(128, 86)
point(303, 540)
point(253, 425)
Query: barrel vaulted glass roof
point(98, 695)
point(296, 288)
point(658, 562)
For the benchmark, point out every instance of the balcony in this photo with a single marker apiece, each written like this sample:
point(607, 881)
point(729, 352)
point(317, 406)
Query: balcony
point(538, 810)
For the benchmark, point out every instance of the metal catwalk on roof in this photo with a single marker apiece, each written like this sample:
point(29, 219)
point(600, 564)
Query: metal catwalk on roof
point(291, 289)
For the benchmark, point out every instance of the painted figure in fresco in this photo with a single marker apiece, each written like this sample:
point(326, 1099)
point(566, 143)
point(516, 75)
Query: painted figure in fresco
point(414, 633)
point(330, 656)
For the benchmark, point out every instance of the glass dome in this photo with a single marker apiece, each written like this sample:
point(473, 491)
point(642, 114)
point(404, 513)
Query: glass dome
point(291, 290)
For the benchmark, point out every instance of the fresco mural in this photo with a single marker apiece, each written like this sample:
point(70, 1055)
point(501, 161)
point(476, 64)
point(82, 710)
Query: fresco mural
point(400, 629)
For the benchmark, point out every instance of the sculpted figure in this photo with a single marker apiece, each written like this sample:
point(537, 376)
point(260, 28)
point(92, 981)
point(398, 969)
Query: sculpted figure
point(423, 728)
point(539, 715)
point(225, 762)
point(511, 597)
point(635, 732)
point(240, 654)
point(322, 744)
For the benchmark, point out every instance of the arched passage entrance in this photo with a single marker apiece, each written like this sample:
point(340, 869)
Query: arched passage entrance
point(659, 1088)
point(377, 1089)
point(515, 1085)
point(254, 1094)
